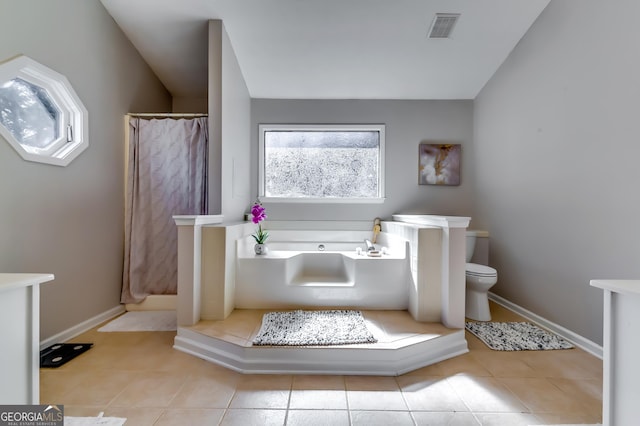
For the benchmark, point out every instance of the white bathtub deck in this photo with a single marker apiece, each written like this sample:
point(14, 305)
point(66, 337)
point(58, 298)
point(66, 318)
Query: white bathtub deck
point(403, 345)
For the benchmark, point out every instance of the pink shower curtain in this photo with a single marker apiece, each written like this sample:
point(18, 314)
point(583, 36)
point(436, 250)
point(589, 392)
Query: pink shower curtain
point(167, 176)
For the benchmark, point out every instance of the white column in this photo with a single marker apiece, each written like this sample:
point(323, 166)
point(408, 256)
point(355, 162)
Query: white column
point(190, 266)
point(621, 350)
point(452, 263)
point(20, 336)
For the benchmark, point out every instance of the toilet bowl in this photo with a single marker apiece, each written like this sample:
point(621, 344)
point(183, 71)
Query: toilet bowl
point(479, 279)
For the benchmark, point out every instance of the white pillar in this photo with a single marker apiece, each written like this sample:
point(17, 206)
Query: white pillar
point(452, 263)
point(190, 266)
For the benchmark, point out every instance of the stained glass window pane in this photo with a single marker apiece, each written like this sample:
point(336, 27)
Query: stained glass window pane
point(27, 111)
point(321, 164)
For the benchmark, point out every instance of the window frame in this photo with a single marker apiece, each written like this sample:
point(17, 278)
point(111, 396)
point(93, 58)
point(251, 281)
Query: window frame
point(380, 128)
point(73, 128)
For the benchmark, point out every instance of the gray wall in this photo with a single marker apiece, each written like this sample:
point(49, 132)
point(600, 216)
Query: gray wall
point(407, 124)
point(556, 159)
point(190, 105)
point(69, 220)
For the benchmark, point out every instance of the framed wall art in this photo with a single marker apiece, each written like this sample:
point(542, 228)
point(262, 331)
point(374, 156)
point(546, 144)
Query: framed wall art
point(439, 164)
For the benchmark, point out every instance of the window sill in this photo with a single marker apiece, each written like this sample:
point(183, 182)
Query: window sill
point(285, 200)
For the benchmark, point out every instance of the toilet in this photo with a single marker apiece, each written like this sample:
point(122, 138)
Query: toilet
point(479, 279)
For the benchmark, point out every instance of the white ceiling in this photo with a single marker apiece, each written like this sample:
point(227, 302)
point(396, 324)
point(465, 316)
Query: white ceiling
point(330, 49)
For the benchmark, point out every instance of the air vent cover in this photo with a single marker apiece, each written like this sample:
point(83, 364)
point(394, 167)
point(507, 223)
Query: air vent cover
point(442, 25)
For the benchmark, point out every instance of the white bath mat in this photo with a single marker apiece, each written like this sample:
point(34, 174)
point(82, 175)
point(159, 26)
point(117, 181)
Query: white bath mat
point(516, 336)
point(313, 328)
point(93, 421)
point(143, 321)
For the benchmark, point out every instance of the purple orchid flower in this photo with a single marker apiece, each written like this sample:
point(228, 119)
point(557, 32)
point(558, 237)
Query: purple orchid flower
point(258, 215)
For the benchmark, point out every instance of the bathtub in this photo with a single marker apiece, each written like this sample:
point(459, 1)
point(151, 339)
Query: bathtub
point(314, 274)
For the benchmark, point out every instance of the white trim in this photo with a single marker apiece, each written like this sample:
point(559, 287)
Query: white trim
point(78, 329)
point(34, 372)
point(380, 128)
point(627, 287)
point(341, 360)
point(608, 339)
point(186, 220)
point(72, 112)
point(433, 220)
point(166, 115)
point(322, 200)
point(582, 342)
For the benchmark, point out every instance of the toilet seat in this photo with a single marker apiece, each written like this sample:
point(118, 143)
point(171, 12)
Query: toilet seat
point(477, 270)
point(479, 279)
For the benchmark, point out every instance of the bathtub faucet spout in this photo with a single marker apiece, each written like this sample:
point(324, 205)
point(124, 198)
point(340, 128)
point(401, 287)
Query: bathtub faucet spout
point(370, 246)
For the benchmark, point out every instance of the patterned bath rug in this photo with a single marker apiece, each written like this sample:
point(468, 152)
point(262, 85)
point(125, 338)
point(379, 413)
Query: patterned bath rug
point(313, 328)
point(143, 321)
point(516, 336)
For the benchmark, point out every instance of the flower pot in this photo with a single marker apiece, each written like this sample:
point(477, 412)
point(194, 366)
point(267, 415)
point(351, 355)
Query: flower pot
point(261, 249)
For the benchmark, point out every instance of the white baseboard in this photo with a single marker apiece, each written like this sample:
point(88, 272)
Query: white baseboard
point(78, 329)
point(581, 342)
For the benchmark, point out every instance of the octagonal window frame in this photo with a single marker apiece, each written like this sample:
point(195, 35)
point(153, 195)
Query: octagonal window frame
point(72, 121)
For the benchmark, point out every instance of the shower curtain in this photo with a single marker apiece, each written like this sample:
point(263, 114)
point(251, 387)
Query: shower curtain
point(167, 176)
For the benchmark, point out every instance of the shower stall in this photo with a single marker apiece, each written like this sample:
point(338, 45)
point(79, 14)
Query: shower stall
point(165, 175)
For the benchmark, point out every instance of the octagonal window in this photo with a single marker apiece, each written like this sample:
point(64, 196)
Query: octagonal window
point(29, 113)
point(40, 114)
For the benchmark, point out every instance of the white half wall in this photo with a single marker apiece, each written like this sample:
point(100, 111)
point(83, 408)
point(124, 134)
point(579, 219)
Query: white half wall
point(236, 136)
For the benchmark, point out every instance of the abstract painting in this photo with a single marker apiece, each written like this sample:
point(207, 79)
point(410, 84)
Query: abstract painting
point(439, 164)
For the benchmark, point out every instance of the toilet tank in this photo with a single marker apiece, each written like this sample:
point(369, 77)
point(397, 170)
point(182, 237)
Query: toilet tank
point(479, 250)
point(470, 245)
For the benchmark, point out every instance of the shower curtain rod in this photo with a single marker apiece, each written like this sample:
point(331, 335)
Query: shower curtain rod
point(165, 115)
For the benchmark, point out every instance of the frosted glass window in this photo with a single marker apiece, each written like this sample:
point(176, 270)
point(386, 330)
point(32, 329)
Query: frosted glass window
point(29, 114)
point(41, 116)
point(322, 162)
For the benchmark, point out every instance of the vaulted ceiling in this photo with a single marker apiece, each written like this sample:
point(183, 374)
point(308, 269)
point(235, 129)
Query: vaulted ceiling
point(330, 49)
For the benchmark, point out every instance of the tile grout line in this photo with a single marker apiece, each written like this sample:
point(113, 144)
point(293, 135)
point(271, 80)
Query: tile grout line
point(346, 397)
point(286, 413)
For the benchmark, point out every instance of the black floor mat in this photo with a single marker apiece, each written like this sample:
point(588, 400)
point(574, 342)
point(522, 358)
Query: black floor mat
point(61, 353)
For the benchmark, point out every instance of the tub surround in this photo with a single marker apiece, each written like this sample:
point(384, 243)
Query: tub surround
point(221, 266)
point(216, 251)
point(306, 270)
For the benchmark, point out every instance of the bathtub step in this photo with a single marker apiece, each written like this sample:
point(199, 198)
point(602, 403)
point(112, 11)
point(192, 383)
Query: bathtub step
point(403, 346)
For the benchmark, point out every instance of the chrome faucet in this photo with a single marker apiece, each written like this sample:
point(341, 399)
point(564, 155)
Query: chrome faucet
point(369, 244)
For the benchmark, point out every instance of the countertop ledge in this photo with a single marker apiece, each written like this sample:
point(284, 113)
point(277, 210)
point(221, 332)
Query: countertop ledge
point(618, 286)
point(11, 281)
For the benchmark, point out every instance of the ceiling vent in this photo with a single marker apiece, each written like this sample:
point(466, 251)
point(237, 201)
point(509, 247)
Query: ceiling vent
point(442, 25)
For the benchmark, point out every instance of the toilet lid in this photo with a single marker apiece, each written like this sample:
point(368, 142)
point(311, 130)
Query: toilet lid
point(480, 270)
